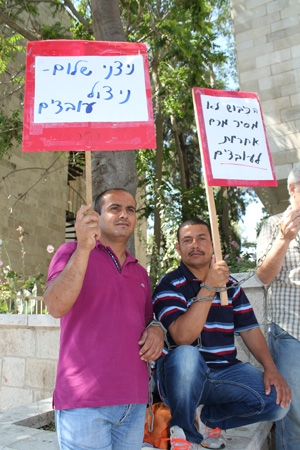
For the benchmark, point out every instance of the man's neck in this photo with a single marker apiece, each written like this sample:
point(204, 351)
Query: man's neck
point(118, 248)
point(293, 203)
point(199, 273)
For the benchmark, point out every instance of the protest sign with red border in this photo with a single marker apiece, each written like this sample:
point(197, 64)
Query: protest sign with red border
point(87, 96)
point(233, 139)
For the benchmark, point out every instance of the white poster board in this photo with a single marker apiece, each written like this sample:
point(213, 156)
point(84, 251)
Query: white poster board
point(233, 138)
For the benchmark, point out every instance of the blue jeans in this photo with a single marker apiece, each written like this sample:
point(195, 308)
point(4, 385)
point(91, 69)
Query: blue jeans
point(232, 397)
point(118, 427)
point(286, 354)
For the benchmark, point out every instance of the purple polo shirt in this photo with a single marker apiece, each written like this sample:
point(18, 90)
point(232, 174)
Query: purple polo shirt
point(99, 362)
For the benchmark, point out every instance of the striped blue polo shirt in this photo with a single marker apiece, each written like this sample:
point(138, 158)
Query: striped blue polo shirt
point(172, 297)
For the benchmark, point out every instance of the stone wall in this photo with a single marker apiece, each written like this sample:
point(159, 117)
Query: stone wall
point(267, 41)
point(256, 293)
point(33, 194)
point(28, 357)
point(29, 350)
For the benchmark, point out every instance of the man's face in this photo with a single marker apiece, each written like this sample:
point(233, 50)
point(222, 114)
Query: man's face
point(118, 216)
point(195, 246)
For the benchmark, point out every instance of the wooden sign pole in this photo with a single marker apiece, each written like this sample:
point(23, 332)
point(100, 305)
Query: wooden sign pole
point(211, 209)
point(233, 146)
point(88, 179)
point(215, 233)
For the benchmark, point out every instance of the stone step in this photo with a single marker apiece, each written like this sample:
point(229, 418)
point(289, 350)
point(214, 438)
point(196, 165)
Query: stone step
point(251, 437)
point(19, 430)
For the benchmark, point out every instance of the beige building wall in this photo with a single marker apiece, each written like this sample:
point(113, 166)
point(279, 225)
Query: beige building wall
point(267, 40)
point(34, 190)
point(33, 195)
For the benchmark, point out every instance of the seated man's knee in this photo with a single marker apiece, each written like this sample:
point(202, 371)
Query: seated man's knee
point(275, 412)
point(187, 361)
point(280, 413)
point(186, 353)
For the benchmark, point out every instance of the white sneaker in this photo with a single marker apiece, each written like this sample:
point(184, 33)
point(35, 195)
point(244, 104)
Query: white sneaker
point(212, 437)
point(179, 442)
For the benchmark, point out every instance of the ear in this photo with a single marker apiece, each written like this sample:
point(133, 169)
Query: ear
point(178, 248)
point(292, 188)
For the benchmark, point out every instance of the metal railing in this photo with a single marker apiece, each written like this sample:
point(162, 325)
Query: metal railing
point(75, 200)
point(25, 304)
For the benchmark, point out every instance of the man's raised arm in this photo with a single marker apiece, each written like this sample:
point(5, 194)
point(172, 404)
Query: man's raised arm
point(62, 292)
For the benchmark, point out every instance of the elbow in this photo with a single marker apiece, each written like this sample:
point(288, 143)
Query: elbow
point(263, 277)
point(184, 340)
point(54, 312)
point(52, 309)
point(183, 336)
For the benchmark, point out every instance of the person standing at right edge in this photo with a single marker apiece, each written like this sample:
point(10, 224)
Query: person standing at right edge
point(278, 259)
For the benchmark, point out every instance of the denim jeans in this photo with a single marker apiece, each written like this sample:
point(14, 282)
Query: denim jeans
point(118, 427)
point(232, 397)
point(286, 353)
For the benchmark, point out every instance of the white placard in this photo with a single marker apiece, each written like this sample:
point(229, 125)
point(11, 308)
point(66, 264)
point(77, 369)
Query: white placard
point(90, 89)
point(236, 138)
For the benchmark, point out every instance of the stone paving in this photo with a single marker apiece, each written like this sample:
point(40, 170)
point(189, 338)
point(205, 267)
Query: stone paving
point(14, 436)
point(252, 437)
point(18, 430)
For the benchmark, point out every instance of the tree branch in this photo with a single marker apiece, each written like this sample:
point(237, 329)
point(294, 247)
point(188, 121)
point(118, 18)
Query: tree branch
point(68, 4)
point(11, 24)
point(45, 171)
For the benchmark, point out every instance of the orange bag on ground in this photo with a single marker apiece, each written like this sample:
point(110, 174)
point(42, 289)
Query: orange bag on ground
point(160, 436)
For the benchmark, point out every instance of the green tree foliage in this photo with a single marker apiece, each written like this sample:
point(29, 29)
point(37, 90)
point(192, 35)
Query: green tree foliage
point(184, 53)
point(10, 129)
point(189, 44)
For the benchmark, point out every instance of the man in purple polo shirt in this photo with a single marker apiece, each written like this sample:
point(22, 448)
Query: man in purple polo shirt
point(102, 296)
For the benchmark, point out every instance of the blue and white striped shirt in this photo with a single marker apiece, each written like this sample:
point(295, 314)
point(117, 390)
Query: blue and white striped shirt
point(172, 297)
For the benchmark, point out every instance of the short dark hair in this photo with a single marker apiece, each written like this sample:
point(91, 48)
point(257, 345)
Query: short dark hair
point(99, 199)
point(194, 221)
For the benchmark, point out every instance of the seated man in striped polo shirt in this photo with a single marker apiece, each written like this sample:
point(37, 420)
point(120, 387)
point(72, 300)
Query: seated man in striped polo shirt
point(199, 374)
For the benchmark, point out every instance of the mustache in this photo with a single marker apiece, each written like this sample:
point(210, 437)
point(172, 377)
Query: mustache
point(122, 222)
point(198, 252)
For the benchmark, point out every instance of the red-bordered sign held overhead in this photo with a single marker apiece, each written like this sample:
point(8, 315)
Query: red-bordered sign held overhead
point(87, 95)
point(233, 139)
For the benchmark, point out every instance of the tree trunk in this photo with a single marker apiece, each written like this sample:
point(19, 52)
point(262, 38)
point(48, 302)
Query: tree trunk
point(111, 169)
point(225, 216)
point(159, 149)
point(107, 23)
point(182, 168)
point(114, 169)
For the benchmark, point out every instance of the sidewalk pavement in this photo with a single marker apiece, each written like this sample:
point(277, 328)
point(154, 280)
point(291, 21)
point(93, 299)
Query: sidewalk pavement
point(18, 430)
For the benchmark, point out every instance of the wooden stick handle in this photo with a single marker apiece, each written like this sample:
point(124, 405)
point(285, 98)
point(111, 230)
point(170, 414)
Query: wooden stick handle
point(88, 178)
point(215, 234)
